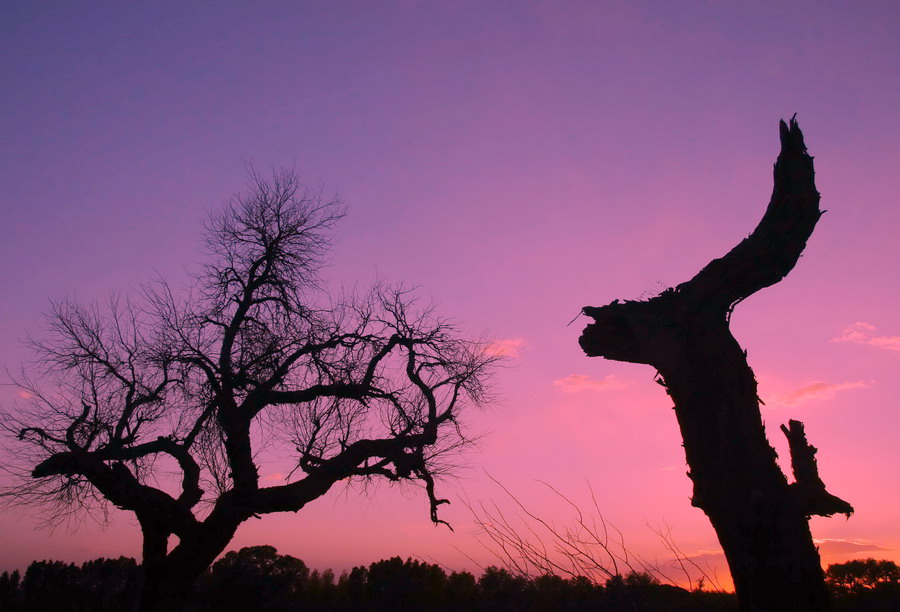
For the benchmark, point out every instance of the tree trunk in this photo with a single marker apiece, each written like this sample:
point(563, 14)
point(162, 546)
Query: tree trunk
point(159, 591)
point(168, 579)
point(761, 521)
point(762, 528)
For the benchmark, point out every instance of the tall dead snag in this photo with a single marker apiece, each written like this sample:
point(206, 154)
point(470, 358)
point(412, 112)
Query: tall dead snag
point(761, 521)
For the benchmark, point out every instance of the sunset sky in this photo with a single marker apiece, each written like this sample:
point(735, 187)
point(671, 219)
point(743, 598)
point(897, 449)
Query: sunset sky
point(516, 161)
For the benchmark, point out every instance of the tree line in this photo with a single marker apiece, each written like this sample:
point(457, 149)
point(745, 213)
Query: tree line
point(258, 578)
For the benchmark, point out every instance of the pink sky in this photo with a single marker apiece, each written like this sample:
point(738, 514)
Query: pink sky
point(516, 160)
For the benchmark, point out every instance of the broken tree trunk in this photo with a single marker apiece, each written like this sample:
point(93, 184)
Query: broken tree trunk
point(761, 521)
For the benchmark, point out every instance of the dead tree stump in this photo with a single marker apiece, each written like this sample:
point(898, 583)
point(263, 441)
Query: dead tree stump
point(761, 520)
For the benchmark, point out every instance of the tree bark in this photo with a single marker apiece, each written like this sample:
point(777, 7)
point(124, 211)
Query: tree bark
point(761, 521)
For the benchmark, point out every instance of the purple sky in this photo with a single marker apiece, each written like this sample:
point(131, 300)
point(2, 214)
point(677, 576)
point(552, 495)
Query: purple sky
point(516, 160)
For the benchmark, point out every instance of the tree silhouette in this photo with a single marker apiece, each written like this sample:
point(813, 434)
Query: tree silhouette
point(108, 584)
point(462, 591)
point(499, 589)
point(101, 584)
point(321, 589)
point(761, 521)
point(406, 585)
point(46, 582)
point(861, 575)
point(254, 356)
point(9, 589)
point(242, 579)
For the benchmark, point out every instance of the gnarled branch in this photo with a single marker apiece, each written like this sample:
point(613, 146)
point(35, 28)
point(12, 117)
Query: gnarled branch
point(807, 486)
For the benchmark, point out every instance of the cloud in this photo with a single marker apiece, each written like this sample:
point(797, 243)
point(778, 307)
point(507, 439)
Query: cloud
point(858, 332)
point(863, 333)
point(819, 390)
point(574, 383)
point(843, 545)
point(275, 476)
point(708, 557)
point(891, 343)
point(505, 348)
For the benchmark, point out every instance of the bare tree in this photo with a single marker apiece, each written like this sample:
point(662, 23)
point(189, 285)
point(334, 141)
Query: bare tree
point(586, 546)
point(162, 406)
point(761, 521)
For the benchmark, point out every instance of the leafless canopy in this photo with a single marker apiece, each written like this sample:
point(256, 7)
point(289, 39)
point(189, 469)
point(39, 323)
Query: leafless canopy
point(193, 383)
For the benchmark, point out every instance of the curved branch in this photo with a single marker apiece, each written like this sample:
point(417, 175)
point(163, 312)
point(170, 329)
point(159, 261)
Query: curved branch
point(772, 250)
point(118, 485)
point(291, 497)
point(299, 396)
point(649, 331)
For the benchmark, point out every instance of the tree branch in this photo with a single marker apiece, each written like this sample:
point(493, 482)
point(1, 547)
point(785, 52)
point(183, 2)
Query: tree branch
point(648, 331)
point(772, 250)
point(808, 486)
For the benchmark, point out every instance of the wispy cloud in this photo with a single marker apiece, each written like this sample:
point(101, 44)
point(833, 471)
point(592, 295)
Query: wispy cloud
point(274, 476)
point(714, 553)
point(819, 390)
point(843, 545)
point(574, 383)
point(505, 348)
point(864, 333)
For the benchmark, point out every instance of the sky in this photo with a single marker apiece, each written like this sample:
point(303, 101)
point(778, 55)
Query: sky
point(515, 161)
